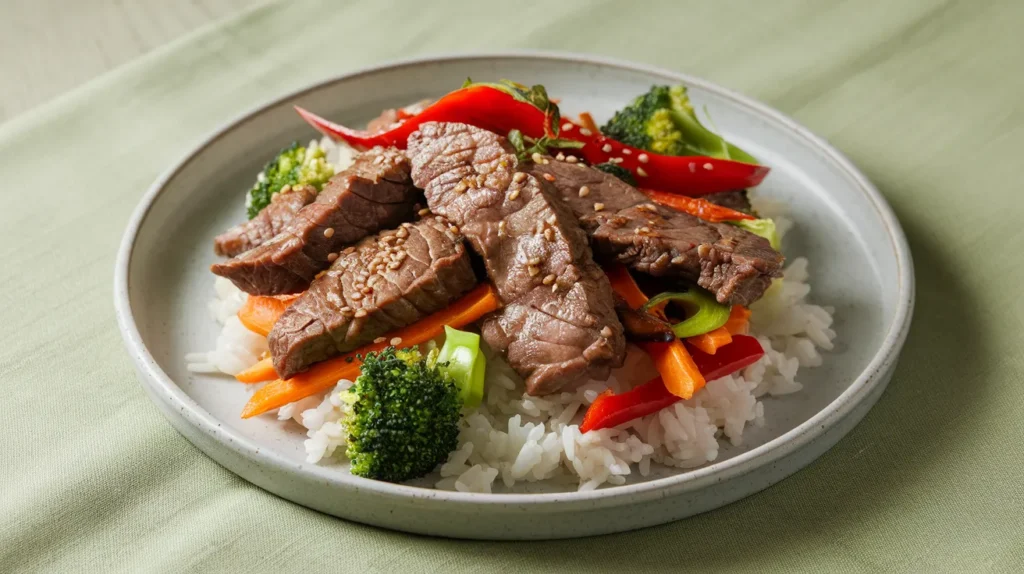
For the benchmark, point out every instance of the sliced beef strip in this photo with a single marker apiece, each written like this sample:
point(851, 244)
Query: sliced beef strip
point(626, 227)
point(381, 284)
point(736, 199)
point(558, 326)
point(374, 193)
point(267, 223)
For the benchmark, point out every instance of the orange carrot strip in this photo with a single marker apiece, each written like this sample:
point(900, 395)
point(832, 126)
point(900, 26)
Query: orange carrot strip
point(322, 376)
point(696, 206)
point(739, 320)
point(261, 372)
point(680, 374)
point(259, 313)
point(711, 341)
point(587, 121)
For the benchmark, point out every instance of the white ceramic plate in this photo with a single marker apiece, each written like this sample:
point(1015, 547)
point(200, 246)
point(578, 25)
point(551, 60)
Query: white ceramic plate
point(860, 264)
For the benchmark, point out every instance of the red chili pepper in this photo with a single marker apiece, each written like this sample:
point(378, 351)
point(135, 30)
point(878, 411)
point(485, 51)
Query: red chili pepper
point(482, 106)
point(491, 108)
point(696, 206)
point(610, 410)
point(682, 175)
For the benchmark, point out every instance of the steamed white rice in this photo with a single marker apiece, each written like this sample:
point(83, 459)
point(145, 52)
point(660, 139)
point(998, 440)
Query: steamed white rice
point(513, 439)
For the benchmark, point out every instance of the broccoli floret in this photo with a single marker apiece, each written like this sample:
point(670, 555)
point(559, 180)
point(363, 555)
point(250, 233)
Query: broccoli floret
point(403, 416)
point(618, 171)
point(294, 165)
point(663, 121)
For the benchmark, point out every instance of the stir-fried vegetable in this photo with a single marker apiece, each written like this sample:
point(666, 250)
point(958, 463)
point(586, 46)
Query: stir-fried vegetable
point(739, 320)
point(696, 206)
point(610, 410)
point(402, 416)
point(677, 369)
point(259, 313)
point(663, 121)
point(711, 341)
point(704, 313)
point(294, 165)
point(507, 106)
point(764, 228)
point(322, 376)
point(461, 358)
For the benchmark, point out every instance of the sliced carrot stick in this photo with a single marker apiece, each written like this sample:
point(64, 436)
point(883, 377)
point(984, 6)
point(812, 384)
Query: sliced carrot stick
point(711, 341)
point(322, 376)
point(261, 372)
point(696, 206)
point(587, 121)
point(739, 320)
point(259, 313)
point(680, 374)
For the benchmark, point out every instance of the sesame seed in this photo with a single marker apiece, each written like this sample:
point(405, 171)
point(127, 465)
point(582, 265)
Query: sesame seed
point(552, 219)
point(367, 290)
point(548, 177)
point(566, 127)
point(549, 234)
point(400, 241)
point(693, 167)
point(360, 286)
point(606, 332)
point(645, 229)
point(584, 191)
point(662, 260)
point(401, 255)
point(360, 313)
point(461, 187)
point(586, 132)
point(549, 279)
point(396, 341)
point(615, 160)
point(286, 189)
point(332, 257)
point(348, 250)
point(677, 260)
point(533, 270)
point(606, 148)
point(423, 212)
point(571, 159)
point(513, 195)
point(536, 157)
point(703, 250)
point(519, 177)
point(708, 166)
point(598, 206)
point(533, 261)
point(329, 232)
point(357, 296)
point(501, 227)
point(545, 161)
point(554, 287)
point(320, 274)
point(560, 156)
point(345, 310)
point(454, 229)
point(641, 171)
point(643, 158)
point(394, 265)
point(626, 151)
point(380, 340)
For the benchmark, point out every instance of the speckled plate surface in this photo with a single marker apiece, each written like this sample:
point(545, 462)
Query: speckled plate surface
point(860, 264)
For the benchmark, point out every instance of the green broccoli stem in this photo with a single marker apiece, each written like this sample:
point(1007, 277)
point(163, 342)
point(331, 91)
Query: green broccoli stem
point(705, 142)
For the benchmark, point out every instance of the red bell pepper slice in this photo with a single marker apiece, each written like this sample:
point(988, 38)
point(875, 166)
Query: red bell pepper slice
point(610, 410)
point(493, 107)
point(696, 206)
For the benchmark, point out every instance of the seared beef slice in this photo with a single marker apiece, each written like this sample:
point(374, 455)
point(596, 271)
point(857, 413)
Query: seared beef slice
point(734, 264)
point(558, 326)
point(374, 193)
point(383, 283)
point(267, 224)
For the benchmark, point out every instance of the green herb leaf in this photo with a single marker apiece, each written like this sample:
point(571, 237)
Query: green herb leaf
point(515, 137)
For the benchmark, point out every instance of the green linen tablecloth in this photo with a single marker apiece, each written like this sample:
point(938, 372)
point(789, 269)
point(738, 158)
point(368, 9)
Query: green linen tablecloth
point(927, 97)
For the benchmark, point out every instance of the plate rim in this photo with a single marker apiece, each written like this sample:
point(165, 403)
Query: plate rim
point(184, 407)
